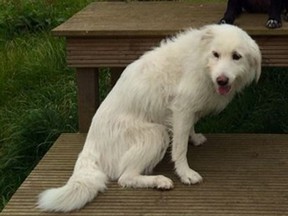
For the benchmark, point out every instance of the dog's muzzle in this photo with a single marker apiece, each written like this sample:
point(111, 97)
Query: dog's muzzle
point(223, 87)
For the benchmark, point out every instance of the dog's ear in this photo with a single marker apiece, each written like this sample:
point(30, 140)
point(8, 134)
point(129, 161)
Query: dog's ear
point(207, 34)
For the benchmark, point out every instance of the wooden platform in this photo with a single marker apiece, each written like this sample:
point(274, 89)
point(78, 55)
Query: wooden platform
point(243, 175)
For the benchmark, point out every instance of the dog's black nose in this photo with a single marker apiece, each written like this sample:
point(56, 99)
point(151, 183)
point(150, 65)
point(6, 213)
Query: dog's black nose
point(222, 80)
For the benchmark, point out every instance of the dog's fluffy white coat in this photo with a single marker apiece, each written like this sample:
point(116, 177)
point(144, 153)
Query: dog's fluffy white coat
point(167, 89)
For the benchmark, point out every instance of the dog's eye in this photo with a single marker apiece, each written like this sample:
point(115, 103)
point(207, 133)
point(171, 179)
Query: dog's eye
point(216, 54)
point(236, 56)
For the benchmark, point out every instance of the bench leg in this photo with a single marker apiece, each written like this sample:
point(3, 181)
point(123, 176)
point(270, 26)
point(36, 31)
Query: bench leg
point(88, 96)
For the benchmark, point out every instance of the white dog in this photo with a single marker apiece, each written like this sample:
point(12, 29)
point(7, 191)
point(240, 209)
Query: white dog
point(167, 89)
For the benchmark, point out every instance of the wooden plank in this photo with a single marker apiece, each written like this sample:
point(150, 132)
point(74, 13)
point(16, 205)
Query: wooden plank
point(155, 19)
point(244, 174)
point(107, 52)
point(111, 52)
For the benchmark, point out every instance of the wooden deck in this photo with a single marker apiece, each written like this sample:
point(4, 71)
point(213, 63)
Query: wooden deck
point(243, 175)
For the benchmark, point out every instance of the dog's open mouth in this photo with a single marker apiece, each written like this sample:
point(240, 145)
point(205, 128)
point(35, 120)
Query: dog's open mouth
point(223, 86)
point(224, 90)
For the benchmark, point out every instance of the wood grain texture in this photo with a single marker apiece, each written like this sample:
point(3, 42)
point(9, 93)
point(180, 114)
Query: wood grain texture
point(155, 19)
point(244, 174)
point(119, 52)
point(106, 52)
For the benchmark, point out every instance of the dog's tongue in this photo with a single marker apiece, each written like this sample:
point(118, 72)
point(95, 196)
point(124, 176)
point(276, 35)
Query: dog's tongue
point(223, 90)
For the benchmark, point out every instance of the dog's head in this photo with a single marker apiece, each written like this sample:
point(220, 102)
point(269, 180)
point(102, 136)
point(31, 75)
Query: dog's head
point(234, 59)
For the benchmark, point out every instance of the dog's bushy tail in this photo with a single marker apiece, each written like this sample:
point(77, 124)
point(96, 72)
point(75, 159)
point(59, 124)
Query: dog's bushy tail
point(85, 183)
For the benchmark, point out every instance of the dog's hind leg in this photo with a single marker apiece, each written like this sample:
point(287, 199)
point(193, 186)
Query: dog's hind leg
point(285, 10)
point(196, 138)
point(149, 146)
point(234, 9)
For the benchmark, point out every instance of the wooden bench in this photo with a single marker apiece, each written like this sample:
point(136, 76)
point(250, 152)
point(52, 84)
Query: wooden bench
point(244, 174)
point(114, 34)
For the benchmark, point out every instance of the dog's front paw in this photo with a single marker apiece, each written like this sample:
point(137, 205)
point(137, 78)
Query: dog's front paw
point(198, 139)
point(273, 23)
point(190, 177)
point(163, 183)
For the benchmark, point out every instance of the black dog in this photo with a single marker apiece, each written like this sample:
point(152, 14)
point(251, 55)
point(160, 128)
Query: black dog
point(273, 7)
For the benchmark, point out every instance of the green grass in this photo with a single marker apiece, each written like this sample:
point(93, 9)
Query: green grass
point(37, 103)
point(38, 93)
point(37, 90)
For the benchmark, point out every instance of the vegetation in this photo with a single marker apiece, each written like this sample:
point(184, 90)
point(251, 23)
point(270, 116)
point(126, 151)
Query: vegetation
point(38, 93)
point(37, 90)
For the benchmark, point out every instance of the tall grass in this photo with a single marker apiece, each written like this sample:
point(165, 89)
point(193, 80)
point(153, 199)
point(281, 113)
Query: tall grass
point(38, 93)
point(37, 104)
point(37, 90)
point(31, 16)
